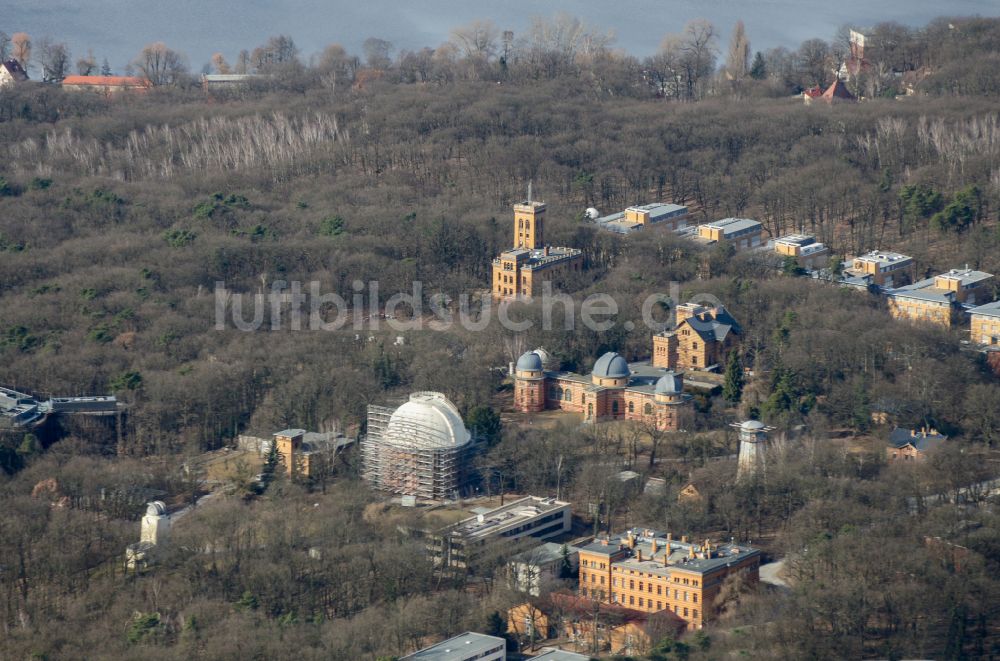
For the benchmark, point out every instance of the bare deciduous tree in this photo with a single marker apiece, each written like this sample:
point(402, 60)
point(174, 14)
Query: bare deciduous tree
point(477, 40)
point(54, 58)
point(21, 48)
point(220, 64)
point(85, 66)
point(160, 65)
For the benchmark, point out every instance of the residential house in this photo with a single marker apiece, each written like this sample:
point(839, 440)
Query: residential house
point(11, 73)
point(701, 339)
point(912, 445)
point(535, 569)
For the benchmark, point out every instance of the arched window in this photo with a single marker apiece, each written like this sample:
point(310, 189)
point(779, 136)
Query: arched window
point(631, 407)
point(568, 395)
point(647, 409)
point(614, 407)
point(590, 411)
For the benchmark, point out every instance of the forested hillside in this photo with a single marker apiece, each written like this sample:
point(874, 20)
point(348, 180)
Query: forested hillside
point(119, 216)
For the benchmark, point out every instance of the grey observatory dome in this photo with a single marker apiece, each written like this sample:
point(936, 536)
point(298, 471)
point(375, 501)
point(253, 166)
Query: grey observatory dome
point(611, 366)
point(669, 384)
point(529, 361)
point(752, 425)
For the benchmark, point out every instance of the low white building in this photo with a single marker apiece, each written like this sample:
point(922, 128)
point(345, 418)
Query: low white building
point(469, 646)
point(535, 569)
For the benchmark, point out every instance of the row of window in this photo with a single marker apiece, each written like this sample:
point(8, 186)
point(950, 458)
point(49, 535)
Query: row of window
point(680, 595)
point(677, 579)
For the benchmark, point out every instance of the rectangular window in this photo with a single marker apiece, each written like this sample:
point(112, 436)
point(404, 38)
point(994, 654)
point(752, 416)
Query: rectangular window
point(695, 613)
point(640, 602)
point(659, 590)
point(631, 600)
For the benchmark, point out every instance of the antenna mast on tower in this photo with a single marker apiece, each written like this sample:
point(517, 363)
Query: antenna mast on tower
point(529, 191)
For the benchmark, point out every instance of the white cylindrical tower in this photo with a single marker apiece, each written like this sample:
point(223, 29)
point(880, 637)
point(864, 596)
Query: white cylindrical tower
point(753, 445)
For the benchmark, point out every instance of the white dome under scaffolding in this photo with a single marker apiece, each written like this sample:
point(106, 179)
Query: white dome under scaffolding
point(417, 449)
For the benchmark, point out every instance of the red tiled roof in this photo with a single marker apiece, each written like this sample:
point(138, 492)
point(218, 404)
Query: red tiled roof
point(838, 92)
point(813, 92)
point(106, 81)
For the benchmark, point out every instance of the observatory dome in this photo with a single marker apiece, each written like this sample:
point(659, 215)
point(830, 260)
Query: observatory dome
point(529, 362)
point(427, 421)
point(611, 366)
point(669, 384)
point(752, 425)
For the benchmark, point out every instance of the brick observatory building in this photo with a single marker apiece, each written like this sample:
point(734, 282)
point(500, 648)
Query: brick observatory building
point(611, 392)
point(702, 338)
point(520, 271)
point(650, 571)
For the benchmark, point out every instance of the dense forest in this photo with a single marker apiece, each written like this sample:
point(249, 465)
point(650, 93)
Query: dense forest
point(119, 216)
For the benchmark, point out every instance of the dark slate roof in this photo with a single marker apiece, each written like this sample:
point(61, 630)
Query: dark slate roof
point(921, 440)
point(717, 328)
point(14, 68)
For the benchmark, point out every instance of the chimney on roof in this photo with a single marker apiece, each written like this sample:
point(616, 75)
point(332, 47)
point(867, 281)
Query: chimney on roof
point(654, 546)
point(631, 540)
point(546, 251)
point(638, 555)
point(691, 551)
point(684, 539)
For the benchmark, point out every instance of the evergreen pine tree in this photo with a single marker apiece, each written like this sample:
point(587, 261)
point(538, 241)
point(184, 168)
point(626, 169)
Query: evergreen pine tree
point(732, 389)
point(105, 68)
point(758, 70)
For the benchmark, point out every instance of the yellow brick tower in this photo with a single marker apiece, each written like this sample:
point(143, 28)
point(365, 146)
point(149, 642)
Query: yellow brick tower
point(529, 223)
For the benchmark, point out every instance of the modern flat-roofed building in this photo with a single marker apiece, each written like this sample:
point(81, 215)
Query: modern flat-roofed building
point(650, 571)
point(882, 268)
point(939, 300)
point(469, 646)
point(661, 214)
point(521, 271)
point(742, 233)
point(530, 516)
point(984, 322)
point(809, 253)
point(560, 655)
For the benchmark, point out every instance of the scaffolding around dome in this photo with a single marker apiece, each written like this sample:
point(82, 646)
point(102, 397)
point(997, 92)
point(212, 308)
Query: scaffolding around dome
point(419, 449)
